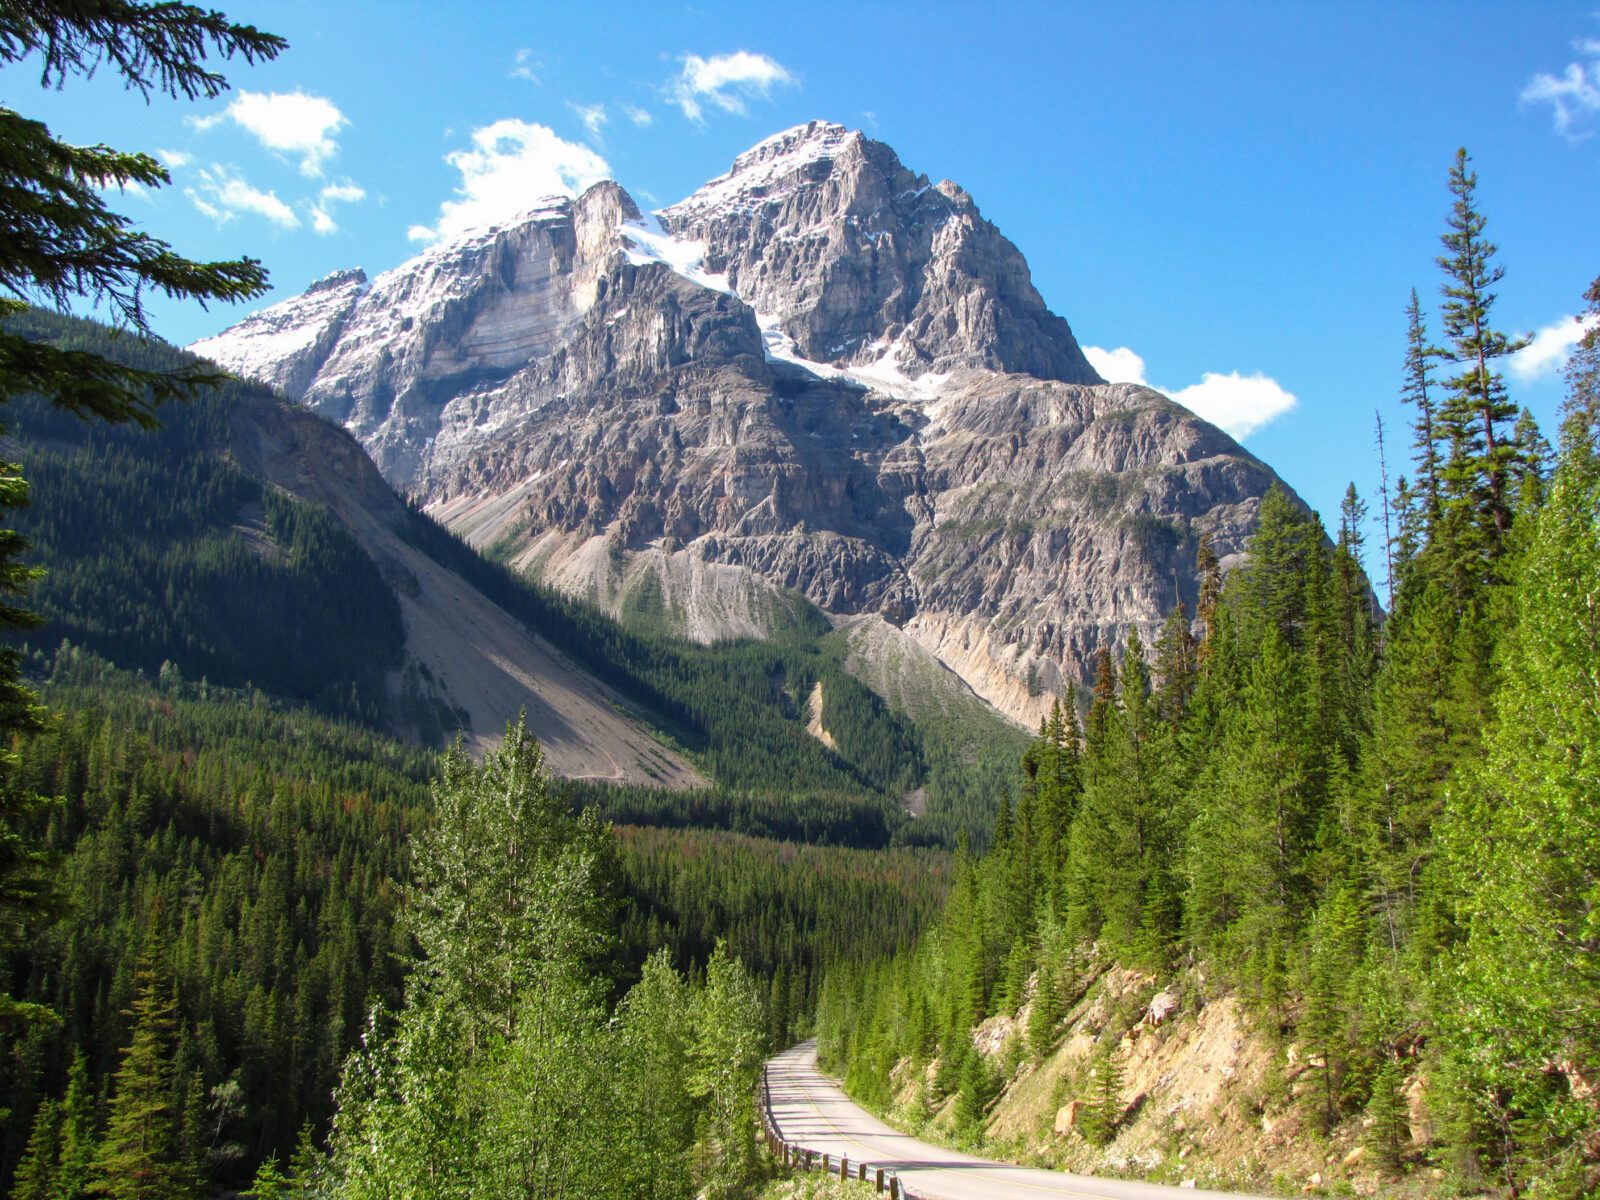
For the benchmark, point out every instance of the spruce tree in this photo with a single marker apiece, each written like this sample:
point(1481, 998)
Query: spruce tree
point(35, 1177)
point(1387, 1133)
point(1044, 1013)
point(1417, 390)
point(1103, 1112)
point(1210, 595)
point(1475, 411)
point(78, 1142)
point(139, 1157)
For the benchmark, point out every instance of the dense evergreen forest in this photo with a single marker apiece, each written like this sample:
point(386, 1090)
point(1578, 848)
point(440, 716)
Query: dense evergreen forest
point(1383, 834)
point(248, 859)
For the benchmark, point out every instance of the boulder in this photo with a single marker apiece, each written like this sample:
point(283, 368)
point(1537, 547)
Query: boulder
point(1067, 1117)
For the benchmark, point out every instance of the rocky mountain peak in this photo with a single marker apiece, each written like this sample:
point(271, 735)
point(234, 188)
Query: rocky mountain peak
point(819, 372)
point(860, 262)
point(338, 280)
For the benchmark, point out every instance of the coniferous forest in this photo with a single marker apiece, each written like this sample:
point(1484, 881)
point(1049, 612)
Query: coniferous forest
point(1379, 827)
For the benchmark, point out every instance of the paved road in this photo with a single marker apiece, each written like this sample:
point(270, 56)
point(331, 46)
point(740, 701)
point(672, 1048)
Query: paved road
point(811, 1110)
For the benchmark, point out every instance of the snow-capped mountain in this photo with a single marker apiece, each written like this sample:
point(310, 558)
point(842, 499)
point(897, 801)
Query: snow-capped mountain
point(819, 372)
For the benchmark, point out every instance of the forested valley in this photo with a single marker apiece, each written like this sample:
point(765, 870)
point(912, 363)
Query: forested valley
point(269, 928)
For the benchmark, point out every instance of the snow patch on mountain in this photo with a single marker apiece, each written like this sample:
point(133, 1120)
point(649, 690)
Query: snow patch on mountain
point(645, 241)
point(268, 345)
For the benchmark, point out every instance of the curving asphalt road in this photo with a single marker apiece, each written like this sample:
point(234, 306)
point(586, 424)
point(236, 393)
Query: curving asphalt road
point(811, 1110)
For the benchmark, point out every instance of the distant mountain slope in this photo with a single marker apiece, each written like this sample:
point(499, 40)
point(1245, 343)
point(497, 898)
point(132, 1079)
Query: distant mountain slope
point(820, 372)
point(250, 541)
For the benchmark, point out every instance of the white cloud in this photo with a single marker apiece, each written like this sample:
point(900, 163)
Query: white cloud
point(1548, 352)
point(1573, 95)
point(334, 193)
point(525, 66)
point(593, 116)
point(726, 81)
point(510, 166)
point(291, 123)
point(1116, 366)
point(174, 159)
point(222, 194)
point(639, 116)
point(1238, 404)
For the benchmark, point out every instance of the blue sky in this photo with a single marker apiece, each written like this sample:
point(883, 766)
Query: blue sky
point(1225, 190)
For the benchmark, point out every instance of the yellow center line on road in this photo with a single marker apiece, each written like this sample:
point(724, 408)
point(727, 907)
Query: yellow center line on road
point(960, 1172)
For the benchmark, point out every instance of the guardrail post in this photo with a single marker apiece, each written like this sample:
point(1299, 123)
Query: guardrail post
point(878, 1178)
point(844, 1168)
point(861, 1173)
point(894, 1187)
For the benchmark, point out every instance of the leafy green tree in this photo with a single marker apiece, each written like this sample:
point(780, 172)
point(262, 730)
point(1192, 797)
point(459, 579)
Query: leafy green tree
point(1521, 835)
point(506, 881)
point(493, 1079)
point(724, 1063)
point(657, 1031)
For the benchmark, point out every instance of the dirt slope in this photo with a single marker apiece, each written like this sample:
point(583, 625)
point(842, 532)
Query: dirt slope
point(468, 661)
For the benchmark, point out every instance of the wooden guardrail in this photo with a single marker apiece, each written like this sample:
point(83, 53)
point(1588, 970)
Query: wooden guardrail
point(801, 1158)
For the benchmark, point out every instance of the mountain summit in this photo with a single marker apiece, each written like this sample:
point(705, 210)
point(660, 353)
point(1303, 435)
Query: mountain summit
point(819, 372)
point(860, 261)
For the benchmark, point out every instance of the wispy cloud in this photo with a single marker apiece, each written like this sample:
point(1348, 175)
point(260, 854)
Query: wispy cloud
point(293, 124)
point(525, 66)
point(641, 117)
point(1573, 94)
point(223, 194)
point(334, 193)
point(1547, 353)
point(510, 165)
point(174, 159)
point(1238, 404)
point(593, 116)
point(726, 81)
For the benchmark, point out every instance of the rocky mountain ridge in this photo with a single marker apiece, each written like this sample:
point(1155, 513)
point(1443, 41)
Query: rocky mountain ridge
point(819, 372)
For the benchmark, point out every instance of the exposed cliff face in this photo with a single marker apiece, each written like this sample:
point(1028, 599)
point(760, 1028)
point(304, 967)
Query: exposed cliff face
point(816, 373)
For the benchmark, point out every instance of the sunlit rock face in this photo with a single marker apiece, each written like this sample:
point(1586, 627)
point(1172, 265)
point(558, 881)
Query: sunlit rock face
point(817, 373)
